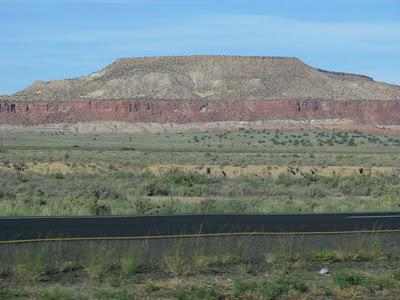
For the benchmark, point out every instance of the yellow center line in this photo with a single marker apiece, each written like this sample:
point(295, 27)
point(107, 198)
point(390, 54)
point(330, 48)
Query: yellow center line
point(196, 235)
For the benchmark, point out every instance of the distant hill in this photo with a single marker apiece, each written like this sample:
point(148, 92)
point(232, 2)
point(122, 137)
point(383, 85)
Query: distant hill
point(211, 78)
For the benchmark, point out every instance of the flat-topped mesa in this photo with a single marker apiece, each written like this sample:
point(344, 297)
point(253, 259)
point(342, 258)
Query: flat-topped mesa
point(222, 78)
point(203, 57)
point(207, 89)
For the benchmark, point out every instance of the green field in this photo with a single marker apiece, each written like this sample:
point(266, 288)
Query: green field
point(246, 140)
point(242, 171)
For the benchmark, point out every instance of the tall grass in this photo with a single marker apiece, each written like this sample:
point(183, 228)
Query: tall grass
point(368, 248)
point(178, 192)
point(110, 268)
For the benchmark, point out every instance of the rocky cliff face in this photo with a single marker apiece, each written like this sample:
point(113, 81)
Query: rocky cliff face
point(205, 89)
point(180, 112)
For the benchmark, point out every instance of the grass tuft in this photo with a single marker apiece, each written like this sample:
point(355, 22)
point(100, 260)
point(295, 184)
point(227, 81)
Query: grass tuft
point(59, 293)
point(347, 279)
point(97, 262)
point(130, 264)
point(30, 266)
point(282, 285)
point(177, 263)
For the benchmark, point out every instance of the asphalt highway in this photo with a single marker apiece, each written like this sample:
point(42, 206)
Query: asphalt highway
point(31, 229)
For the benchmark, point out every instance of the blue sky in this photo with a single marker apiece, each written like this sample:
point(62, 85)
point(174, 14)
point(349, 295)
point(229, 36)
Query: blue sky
point(57, 39)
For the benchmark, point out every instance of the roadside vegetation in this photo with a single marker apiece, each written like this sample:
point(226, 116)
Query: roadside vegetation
point(289, 269)
point(25, 193)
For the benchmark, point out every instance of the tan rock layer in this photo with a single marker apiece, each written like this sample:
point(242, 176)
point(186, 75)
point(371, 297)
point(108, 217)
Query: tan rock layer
point(180, 112)
point(210, 78)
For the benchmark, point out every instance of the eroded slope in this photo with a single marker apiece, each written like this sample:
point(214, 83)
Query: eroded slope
point(211, 78)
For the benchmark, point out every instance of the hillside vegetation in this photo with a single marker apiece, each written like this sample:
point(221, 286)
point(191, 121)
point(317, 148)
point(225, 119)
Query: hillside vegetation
point(211, 78)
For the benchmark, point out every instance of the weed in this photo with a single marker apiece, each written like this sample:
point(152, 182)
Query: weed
point(95, 268)
point(95, 208)
point(177, 263)
point(251, 288)
point(286, 252)
point(30, 266)
point(364, 249)
point(151, 285)
point(396, 274)
point(97, 262)
point(69, 266)
point(130, 264)
point(282, 285)
point(346, 279)
point(59, 294)
point(200, 263)
point(10, 294)
point(324, 255)
point(113, 295)
point(206, 292)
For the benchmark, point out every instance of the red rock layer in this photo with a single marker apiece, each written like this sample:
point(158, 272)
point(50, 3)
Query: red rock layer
point(171, 111)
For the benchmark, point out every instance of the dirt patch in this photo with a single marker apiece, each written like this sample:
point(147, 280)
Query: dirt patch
point(48, 168)
point(276, 170)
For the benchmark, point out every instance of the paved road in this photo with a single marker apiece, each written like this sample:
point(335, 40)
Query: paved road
point(123, 227)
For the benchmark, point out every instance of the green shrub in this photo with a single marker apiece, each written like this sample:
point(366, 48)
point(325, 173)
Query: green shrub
point(316, 191)
point(282, 285)
point(97, 209)
point(347, 279)
point(59, 175)
point(285, 283)
point(130, 264)
point(325, 256)
point(145, 206)
point(182, 184)
point(103, 193)
point(360, 250)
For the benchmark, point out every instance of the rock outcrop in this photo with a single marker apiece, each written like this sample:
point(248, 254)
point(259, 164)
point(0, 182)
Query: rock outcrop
point(180, 112)
point(204, 89)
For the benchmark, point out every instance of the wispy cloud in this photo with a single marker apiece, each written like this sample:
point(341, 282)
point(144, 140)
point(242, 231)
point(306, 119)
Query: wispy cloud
point(235, 31)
